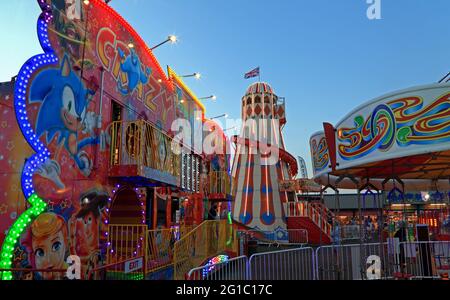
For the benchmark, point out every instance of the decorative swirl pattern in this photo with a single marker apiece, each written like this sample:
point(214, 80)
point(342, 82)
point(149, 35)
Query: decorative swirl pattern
point(377, 132)
point(429, 125)
point(404, 121)
point(320, 155)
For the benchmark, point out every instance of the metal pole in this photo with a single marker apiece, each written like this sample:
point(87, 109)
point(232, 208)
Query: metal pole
point(99, 124)
point(443, 78)
point(84, 41)
point(360, 232)
point(320, 221)
point(160, 44)
point(383, 202)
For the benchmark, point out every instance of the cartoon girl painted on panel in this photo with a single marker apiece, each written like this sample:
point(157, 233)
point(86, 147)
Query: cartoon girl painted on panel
point(48, 245)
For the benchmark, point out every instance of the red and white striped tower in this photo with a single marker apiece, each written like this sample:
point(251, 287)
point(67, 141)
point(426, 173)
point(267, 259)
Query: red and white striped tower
point(258, 202)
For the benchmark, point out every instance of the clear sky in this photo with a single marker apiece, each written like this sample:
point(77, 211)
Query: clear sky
point(325, 56)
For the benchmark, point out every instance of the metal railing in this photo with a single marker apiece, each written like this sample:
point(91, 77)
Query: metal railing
point(304, 209)
point(160, 246)
point(142, 144)
point(419, 260)
point(131, 269)
point(205, 241)
point(233, 269)
point(35, 274)
point(382, 261)
point(292, 264)
point(126, 242)
point(406, 260)
point(349, 232)
point(219, 183)
point(326, 212)
point(288, 237)
point(349, 262)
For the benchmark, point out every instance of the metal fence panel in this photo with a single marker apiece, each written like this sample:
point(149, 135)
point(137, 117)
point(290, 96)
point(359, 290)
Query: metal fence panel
point(233, 269)
point(209, 239)
point(420, 260)
point(385, 261)
point(352, 262)
point(131, 269)
point(285, 237)
point(292, 264)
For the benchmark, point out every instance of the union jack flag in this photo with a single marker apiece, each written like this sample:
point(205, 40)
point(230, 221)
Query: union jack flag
point(252, 73)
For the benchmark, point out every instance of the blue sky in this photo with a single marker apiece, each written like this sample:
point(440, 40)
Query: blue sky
point(326, 57)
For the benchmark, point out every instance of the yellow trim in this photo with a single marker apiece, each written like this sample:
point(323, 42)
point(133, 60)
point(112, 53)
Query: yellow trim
point(205, 241)
point(173, 75)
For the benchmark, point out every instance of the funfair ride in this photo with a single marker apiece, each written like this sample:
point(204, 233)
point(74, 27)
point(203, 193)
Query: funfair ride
point(388, 147)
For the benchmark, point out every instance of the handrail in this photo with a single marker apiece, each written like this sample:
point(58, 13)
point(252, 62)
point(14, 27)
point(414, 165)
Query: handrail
point(219, 183)
point(141, 143)
point(279, 251)
point(34, 270)
point(208, 239)
point(160, 246)
point(46, 274)
point(288, 257)
point(295, 236)
point(118, 268)
point(215, 266)
point(328, 212)
point(304, 209)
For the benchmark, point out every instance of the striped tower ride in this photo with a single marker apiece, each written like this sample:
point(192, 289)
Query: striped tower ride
point(261, 162)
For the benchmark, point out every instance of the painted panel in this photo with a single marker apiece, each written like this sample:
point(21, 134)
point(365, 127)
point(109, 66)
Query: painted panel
point(62, 104)
point(408, 122)
point(319, 154)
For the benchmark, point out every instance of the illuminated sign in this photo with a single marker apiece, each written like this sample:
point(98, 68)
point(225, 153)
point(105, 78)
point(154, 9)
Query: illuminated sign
point(211, 265)
point(134, 265)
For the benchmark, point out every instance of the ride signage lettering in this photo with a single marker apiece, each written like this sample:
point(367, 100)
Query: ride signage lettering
point(124, 63)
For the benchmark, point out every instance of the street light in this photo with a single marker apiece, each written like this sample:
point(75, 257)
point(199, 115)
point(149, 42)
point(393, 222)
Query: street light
point(221, 116)
point(212, 97)
point(171, 38)
point(231, 128)
point(86, 2)
point(196, 75)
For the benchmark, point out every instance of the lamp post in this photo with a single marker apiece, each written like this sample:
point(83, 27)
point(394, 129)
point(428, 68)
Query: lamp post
point(196, 75)
point(447, 76)
point(171, 38)
point(231, 128)
point(212, 97)
point(86, 2)
point(218, 117)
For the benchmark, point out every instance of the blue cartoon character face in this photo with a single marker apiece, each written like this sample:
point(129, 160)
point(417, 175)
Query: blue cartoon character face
point(131, 66)
point(64, 100)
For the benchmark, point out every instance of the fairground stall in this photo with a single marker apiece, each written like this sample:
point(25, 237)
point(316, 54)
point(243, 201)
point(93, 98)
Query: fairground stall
point(394, 151)
point(87, 153)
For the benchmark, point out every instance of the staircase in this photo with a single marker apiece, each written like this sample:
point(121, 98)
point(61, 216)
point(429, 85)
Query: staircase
point(303, 215)
point(207, 240)
point(327, 213)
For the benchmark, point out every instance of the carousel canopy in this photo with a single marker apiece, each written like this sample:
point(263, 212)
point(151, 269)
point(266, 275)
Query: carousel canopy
point(403, 135)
